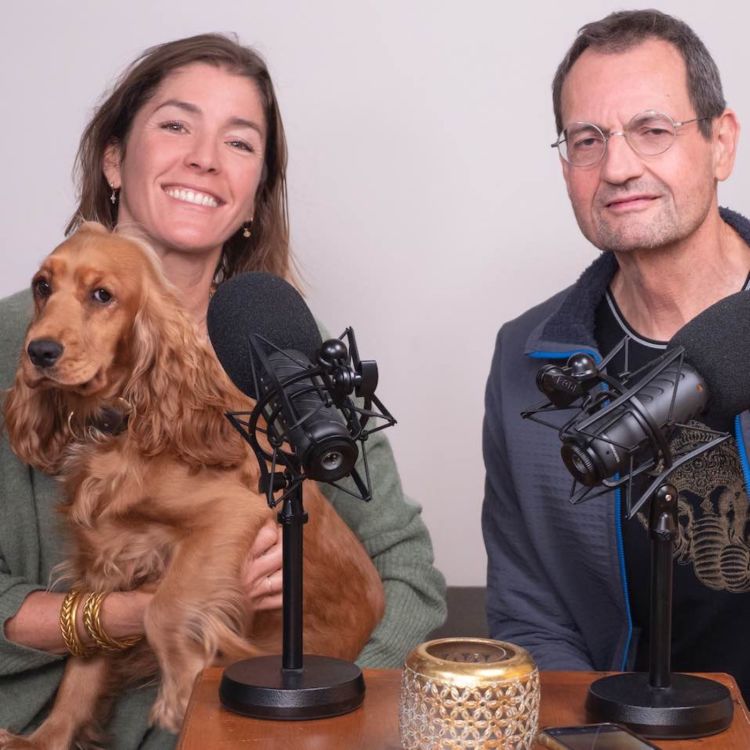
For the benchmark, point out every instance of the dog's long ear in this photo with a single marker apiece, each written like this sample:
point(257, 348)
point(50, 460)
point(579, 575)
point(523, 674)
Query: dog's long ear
point(37, 427)
point(178, 390)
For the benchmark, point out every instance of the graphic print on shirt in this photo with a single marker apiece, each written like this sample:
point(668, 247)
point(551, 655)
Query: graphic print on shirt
point(712, 514)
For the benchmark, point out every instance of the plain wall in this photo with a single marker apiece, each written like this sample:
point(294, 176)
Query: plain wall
point(426, 205)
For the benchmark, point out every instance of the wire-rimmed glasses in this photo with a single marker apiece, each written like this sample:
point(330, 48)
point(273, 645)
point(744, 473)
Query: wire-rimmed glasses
point(648, 133)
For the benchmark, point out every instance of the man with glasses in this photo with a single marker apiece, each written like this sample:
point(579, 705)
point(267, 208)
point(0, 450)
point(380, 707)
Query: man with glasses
point(644, 138)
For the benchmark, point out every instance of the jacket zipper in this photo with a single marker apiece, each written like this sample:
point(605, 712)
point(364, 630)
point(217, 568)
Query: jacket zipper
point(742, 450)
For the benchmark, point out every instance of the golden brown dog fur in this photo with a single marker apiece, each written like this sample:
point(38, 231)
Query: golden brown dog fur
point(170, 503)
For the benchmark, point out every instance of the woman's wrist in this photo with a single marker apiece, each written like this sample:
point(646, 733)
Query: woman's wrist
point(103, 622)
point(37, 622)
point(122, 613)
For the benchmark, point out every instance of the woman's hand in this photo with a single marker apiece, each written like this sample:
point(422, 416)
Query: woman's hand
point(261, 572)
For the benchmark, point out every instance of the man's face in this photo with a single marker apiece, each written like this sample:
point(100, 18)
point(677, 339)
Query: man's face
point(627, 201)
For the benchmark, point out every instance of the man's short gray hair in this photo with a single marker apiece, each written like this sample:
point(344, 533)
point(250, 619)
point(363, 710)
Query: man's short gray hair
point(619, 32)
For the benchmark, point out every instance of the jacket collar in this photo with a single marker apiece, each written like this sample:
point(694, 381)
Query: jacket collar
point(571, 326)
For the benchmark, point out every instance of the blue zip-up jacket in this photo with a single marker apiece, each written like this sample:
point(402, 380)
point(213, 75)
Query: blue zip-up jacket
point(556, 581)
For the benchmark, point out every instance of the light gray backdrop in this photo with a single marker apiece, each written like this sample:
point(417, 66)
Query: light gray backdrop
point(426, 205)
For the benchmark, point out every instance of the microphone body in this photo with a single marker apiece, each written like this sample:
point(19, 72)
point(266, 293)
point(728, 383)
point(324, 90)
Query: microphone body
point(677, 394)
point(314, 427)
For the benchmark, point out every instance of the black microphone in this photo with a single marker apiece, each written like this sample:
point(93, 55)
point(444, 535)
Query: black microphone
point(267, 340)
point(708, 377)
point(305, 424)
point(623, 429)
point(596, 449)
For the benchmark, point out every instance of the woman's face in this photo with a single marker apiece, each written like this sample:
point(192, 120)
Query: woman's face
point(193, 160)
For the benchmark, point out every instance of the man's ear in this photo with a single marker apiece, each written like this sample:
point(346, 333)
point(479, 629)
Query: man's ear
point(726, 133)
point(111, 164)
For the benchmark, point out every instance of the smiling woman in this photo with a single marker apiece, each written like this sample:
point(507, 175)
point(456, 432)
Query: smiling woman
point(217, 97)
point(194, 162)
point(188, 153)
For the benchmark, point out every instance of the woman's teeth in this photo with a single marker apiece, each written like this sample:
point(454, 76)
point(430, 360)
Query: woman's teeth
point(191, 196)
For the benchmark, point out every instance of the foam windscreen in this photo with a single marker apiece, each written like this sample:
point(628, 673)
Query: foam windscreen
point(264, 304)
point(717, 345)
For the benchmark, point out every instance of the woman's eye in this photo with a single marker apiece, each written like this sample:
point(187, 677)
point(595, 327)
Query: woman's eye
point(241, 145)
point(102, 296)
point(42, 288)
point(173, 126)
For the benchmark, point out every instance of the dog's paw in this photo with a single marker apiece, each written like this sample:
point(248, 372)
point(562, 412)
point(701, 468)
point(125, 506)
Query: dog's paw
point(39, 740)
point(10, 741)
point(167, 713)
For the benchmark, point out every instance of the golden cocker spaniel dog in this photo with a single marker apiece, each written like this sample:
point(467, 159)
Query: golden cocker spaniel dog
point(170, 502)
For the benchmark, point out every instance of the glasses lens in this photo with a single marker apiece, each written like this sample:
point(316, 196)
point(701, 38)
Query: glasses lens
point(584, 144)
point(651, 133)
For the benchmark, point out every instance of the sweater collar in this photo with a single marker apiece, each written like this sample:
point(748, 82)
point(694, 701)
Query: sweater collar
point(571, 326)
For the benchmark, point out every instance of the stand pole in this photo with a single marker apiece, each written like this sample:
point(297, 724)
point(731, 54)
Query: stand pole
point(292, 686)
point(660, 703)
point(292, 517)
point(662, 532)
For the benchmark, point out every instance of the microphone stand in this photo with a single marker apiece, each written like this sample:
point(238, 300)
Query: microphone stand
point(661, 703)
point(658, 703)
point(292, 686)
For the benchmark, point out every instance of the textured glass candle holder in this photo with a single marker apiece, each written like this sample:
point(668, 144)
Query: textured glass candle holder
point(461, 693)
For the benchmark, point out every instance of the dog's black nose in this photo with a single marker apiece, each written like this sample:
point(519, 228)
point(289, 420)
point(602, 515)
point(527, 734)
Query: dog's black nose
point(44, 352)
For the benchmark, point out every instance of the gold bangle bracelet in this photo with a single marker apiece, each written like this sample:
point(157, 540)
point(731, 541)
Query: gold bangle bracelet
point(68, 613)
point(92, 610)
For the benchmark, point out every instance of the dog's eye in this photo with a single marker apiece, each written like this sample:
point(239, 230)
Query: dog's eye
point(41, 288)
point(102, 296)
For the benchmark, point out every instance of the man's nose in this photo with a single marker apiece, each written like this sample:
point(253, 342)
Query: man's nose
point(620, 162)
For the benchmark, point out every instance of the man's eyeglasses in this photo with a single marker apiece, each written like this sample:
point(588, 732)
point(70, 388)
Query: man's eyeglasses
point(649, 133)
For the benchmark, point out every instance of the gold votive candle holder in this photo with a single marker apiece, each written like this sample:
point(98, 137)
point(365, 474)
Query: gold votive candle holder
point(469, 693)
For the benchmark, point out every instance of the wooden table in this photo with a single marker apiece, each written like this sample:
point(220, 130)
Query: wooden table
point(374, 726)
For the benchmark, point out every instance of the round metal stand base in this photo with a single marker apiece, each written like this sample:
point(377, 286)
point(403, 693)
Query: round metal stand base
point(689, 707)
point(262, 689)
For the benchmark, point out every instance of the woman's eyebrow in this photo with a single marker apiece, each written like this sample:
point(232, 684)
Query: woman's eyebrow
point(187, 106)
point(241, 122)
